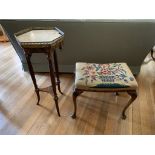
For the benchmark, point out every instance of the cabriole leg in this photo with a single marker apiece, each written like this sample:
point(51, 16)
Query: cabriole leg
point(133, 95)
point(76, 93)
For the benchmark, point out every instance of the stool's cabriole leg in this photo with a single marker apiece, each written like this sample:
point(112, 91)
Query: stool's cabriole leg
point(28, 59)
point(76, 93)
point(133, 95)
point(53, 81)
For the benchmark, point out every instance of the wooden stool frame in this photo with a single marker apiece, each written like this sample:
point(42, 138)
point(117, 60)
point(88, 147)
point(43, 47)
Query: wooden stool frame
point(132, 93)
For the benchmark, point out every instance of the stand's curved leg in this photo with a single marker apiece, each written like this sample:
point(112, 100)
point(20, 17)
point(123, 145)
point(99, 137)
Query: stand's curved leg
point(38, 96)
point(52, 77)
point(152, 55)
point(76, 93)
point(57, 106)
point(31, 71)
point(133, 95)
point(57, 71)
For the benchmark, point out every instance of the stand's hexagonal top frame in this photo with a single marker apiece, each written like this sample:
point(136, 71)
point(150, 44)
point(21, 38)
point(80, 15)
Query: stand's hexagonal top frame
point(35, 37)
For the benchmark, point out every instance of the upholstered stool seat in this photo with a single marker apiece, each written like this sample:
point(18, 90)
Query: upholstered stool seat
point(112, 77)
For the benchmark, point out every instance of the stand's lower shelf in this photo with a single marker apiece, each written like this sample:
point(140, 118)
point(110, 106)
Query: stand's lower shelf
point(49, 90)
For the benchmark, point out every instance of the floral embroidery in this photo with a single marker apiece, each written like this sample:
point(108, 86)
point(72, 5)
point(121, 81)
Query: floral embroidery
point(108, 73)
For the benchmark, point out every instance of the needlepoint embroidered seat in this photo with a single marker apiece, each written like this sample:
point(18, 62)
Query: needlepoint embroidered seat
point(92, 76)
point(111, 77)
